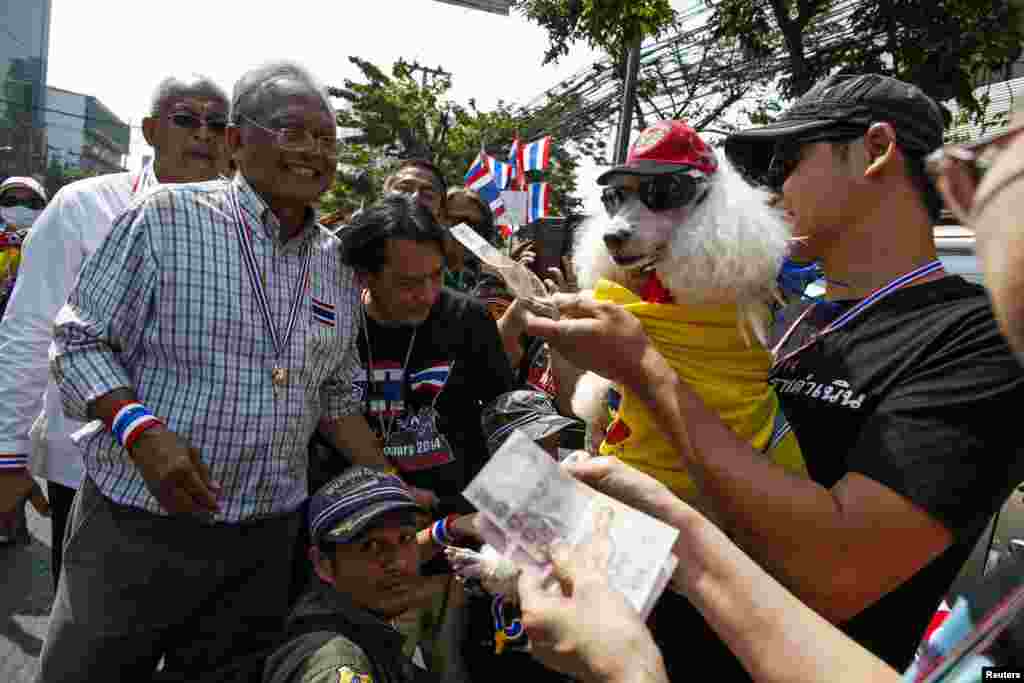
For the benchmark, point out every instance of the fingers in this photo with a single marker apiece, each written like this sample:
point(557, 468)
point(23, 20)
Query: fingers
point(39, 501)
point(203, 471)
point(563, 566)
point(424, 498)
point(957, 188)
point(556, 283)
point(491, 533)
point(594, 557)
point(591, 470)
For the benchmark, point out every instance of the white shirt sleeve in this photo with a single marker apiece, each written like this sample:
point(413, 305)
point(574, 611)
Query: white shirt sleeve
point(50, 259)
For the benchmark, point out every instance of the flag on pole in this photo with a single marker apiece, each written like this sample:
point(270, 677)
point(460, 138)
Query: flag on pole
point(537, 202)
point(480, 180)
point(537, 154)
point(502, 172)
point(515, 158)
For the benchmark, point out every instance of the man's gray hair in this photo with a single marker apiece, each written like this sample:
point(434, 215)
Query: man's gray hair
point(248, 97)
point(192, 85)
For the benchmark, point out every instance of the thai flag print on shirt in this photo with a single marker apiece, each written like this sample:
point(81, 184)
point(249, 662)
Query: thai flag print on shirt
point(430, 381)
point(323, 312)
point(385, 397)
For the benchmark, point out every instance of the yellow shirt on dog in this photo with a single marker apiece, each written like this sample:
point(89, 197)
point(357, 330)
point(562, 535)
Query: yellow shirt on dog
point(705, 347)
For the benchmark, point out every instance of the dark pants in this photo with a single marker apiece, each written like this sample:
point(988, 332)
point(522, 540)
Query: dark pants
point(135, 587)
point(60, 498)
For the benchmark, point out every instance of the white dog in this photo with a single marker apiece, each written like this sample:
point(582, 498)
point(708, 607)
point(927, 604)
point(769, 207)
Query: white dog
point(705, 258)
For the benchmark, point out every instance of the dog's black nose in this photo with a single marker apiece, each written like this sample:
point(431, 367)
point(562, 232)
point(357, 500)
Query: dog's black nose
point(615, 240)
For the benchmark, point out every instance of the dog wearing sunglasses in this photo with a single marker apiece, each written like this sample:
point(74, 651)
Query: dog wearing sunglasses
point(693, 250)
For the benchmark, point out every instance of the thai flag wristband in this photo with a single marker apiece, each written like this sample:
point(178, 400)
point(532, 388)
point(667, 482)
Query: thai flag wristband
point(13, 462)
point(439, 530)
point(130, 421)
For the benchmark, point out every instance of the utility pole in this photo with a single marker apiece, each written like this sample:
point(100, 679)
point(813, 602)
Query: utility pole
point(631, 57)
point(427, 71)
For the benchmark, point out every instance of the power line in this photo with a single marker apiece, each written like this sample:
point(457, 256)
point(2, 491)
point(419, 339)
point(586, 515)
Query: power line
point(116, 122)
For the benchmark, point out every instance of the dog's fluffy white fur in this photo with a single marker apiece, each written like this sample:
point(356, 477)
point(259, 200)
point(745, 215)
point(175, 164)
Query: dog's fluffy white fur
point(727, 249)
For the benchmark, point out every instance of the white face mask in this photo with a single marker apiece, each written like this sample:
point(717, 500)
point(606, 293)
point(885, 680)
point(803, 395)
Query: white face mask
point(19, 217)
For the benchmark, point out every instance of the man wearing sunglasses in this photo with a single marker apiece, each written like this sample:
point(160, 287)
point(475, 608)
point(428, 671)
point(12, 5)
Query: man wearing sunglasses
point(897, 409)
point(205, 339)
point(185, 126)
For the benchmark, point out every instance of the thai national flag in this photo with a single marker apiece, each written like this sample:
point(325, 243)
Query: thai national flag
point(480, 179)
point(430, 380)
point(323, 312)
point(537, 154)
point(478, 172)
point(537, 202)
point(515, 158)
point(502, 172)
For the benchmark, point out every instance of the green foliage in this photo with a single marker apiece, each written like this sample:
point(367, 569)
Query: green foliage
point(408, 114)
point(946, 47)
point(607, 25)
point(58, 175)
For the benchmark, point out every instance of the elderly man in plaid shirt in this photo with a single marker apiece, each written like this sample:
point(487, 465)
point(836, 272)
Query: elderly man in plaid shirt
point(205, 340)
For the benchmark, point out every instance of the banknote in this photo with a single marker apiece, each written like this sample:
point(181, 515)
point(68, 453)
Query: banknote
point(525, 494)
point(520, 279)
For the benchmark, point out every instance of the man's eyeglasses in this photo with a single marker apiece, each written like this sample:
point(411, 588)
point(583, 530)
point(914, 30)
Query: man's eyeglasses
point(976, 157)
point(657, 193)
point(300, 140)
point(184, 119)
point(9, 200)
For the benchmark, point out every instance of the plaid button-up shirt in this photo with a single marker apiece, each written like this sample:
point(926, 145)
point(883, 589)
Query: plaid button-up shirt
point(165, 307)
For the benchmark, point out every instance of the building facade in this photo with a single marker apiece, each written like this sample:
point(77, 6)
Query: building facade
point(24, 55)
point(82, 133)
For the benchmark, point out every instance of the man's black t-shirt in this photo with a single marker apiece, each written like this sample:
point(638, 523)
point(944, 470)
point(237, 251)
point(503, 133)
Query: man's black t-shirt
point(914, 394)
point(457, 364)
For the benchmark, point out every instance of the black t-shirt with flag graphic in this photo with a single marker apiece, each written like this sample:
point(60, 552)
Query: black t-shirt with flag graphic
point(456, 366)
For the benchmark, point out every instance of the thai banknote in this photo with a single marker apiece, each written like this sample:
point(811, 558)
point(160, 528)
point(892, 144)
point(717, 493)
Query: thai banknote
point(525, 494)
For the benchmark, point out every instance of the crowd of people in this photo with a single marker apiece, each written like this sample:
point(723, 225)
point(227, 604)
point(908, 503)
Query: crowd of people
point(255, 430)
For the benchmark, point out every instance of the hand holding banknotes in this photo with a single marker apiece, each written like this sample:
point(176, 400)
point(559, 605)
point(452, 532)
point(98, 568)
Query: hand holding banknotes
point(602, 337)
point(579, 624)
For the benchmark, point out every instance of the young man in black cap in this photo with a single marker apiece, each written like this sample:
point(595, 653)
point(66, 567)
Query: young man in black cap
point(366, 553)
point(893, 385)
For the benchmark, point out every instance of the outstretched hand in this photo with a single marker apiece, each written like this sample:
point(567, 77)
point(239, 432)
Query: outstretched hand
point(580, 625)
point(15, 487)
point(602, 337)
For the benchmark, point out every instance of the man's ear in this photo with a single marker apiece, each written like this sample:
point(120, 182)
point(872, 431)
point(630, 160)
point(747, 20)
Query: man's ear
point(881, 148)
point(149, 125)
point(321, 565)
point(233, 140)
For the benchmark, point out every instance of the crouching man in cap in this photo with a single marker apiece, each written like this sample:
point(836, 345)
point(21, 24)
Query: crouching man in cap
point(366, 553)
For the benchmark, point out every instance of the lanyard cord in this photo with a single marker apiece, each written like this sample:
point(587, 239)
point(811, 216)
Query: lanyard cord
point(858, 309)
point(386, 427)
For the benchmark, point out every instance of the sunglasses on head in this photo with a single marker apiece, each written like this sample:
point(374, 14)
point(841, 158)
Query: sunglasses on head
point(35, 203)
point(184, 119)
point(657, 193)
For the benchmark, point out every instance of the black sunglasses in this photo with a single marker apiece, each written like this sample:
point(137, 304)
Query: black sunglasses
point(789, 153)
point(184, 119)
point(657, 193)
point(7, 201)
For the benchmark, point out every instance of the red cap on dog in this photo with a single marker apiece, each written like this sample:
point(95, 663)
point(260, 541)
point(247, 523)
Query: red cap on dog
point(666, 147)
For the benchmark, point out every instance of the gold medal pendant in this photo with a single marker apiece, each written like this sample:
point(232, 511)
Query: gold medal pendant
point(279, 378)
